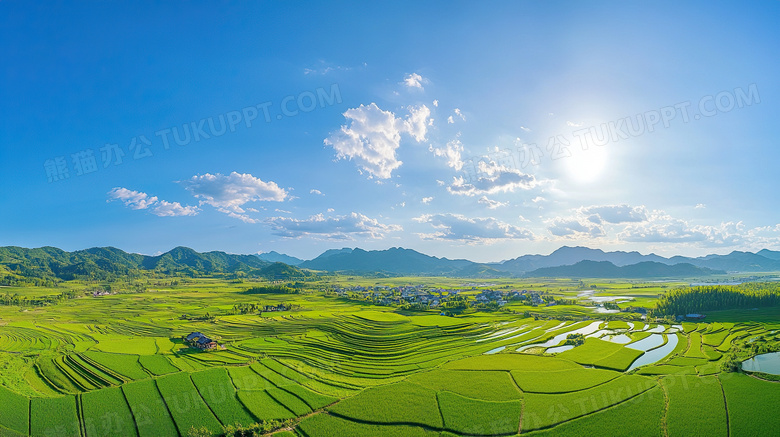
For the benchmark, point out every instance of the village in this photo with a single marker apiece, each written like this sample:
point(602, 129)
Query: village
point(425, 297)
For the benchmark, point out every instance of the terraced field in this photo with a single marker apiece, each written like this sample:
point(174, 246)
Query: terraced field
point(337, 368)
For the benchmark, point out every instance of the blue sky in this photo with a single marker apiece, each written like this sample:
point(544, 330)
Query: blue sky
point(466, 129)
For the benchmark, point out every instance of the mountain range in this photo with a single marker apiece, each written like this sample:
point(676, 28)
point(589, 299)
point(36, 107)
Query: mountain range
point(606, 269)
point(50, 263)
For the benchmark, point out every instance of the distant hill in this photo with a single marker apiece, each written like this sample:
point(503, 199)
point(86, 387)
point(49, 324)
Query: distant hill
point(282, 271)
point(41, 266)
point(393, 261)
point(763, 261)
point(606, 269)
point(276, 257)
point(51, 264)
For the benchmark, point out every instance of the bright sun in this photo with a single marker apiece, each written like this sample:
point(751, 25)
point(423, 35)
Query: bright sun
point(585, 165)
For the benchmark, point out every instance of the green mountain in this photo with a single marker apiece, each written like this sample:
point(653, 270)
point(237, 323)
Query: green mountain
point(282, 271)
point(276, 257)
point(393, 261)
point(605, 269)
point(101, 263)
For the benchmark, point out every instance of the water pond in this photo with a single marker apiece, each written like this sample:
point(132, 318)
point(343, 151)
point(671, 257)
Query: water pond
point(765, 363)
point(656, 354)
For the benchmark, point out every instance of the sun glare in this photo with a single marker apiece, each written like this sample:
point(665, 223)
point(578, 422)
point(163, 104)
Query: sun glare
point(585, 166)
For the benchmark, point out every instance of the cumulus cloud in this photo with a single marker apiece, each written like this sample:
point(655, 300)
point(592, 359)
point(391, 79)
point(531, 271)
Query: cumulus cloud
point(173, 209)
point(452, 152)
point(229, 193)
point(663, 228)
point(372, 136)
point(615, 213)
point(140, 200)
point(573, 227)
point(427, 200)
point(471, 230)
point(490, 203)
point(131, 199)
point(590, 221)
point(492, 178)
point(458, 112)
point(417, 123)
point(436, 103)
point(343, 227)
point(414, 80)
point(450, 120)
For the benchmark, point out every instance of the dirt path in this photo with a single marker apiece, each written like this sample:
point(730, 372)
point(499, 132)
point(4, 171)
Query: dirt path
point(666, 406)
point(725, 404)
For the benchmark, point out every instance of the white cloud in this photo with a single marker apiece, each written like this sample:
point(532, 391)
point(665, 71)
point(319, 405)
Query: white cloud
point(427, 200)
point(332, 228)
point(416, 124)
point(573, 227)
point(493, 178)
point(435, 103)
point(538, 199)
point(450, 120)
point(484, 230)
point(323, 68)
point(372, 137)
point(173, 209)
point(700, 206)
point(139, 200)
point(228, 193)
point(414, 80)
point(282, 211)
point(525, 129)
point(615, 213)
point(131, 199)
point(572, 124)
point(490, 203)
point(452, 151)
point(663, 228)
point(458, 112)
point(590, 221)
point(317, 192)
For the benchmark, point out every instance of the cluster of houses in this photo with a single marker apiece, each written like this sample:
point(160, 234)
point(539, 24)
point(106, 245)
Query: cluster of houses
point(273, 308)
point(435, 297)
point(691, 317)
point(200, 341)
point(502, 297)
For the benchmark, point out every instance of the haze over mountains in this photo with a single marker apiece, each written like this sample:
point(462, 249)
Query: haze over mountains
point(49, 263)
point(402, 261)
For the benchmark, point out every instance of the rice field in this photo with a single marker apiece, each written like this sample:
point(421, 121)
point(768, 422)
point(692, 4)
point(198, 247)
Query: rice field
point(340, 368)
point(150, 411)
point(703, 395)
point(106, 413)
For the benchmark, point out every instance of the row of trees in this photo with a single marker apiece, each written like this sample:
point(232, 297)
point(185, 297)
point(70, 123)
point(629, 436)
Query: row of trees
point(272, 289)
point(16, 299)
point(717, 297)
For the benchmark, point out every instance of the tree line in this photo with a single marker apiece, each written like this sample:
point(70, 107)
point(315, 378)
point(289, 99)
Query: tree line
point(717, 297)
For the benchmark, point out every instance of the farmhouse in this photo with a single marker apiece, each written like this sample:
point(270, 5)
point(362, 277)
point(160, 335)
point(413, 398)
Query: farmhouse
point(691, 317)
point(200, 341)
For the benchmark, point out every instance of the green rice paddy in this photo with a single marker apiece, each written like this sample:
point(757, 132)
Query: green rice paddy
point(119, 366)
